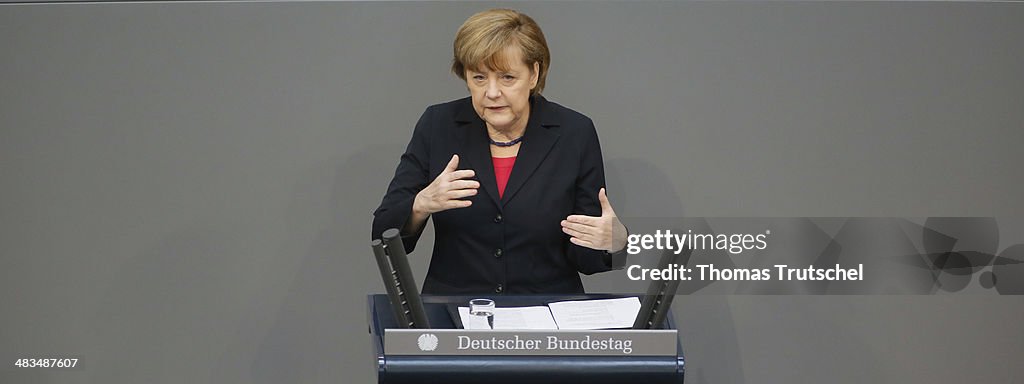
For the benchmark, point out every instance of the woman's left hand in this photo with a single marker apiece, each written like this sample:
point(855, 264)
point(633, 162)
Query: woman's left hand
point(603, 232)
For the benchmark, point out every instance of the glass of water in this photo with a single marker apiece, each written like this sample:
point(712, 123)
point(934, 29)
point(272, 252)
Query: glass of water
point(483, 309)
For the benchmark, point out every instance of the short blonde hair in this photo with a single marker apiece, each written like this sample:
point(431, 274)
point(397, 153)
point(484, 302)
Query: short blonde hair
point(483, 39)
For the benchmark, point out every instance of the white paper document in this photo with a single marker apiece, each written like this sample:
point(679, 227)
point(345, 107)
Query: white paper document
point(472, 322)
point(511, 318)
point(596, 314)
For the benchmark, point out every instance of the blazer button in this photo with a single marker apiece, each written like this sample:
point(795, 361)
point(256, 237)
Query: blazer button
point(499, 289)
point(497, 219)
point(497, 253)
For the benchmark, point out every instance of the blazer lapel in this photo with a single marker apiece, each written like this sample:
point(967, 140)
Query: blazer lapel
point(537, 143)
point(476, 149)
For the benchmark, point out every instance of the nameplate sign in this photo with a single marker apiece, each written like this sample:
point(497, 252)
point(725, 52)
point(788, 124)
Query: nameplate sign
point(467, 342)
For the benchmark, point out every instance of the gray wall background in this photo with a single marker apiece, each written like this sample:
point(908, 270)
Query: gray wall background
point(186, 189)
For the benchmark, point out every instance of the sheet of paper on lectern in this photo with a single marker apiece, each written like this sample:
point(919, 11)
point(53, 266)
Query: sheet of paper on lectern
point(596, 314)
point(510, 318)
point(584, 314)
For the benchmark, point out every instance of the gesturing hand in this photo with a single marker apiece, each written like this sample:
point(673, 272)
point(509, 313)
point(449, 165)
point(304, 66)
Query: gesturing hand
point(603, 232)
point(446, 190)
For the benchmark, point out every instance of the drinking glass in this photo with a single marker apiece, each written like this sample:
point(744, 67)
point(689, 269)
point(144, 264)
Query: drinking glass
point(483, 309)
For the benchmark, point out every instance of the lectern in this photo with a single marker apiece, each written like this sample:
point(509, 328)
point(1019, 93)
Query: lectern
point(415, 340)
point(445, 354)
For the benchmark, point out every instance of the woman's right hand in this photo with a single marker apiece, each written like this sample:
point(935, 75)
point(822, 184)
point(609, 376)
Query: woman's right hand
point(447, 190)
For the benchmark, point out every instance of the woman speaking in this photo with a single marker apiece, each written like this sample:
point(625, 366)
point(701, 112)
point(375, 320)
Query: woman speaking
point(514, 182)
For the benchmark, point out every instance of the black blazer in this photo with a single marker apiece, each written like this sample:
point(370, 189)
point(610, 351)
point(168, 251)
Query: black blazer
point(512, 244)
